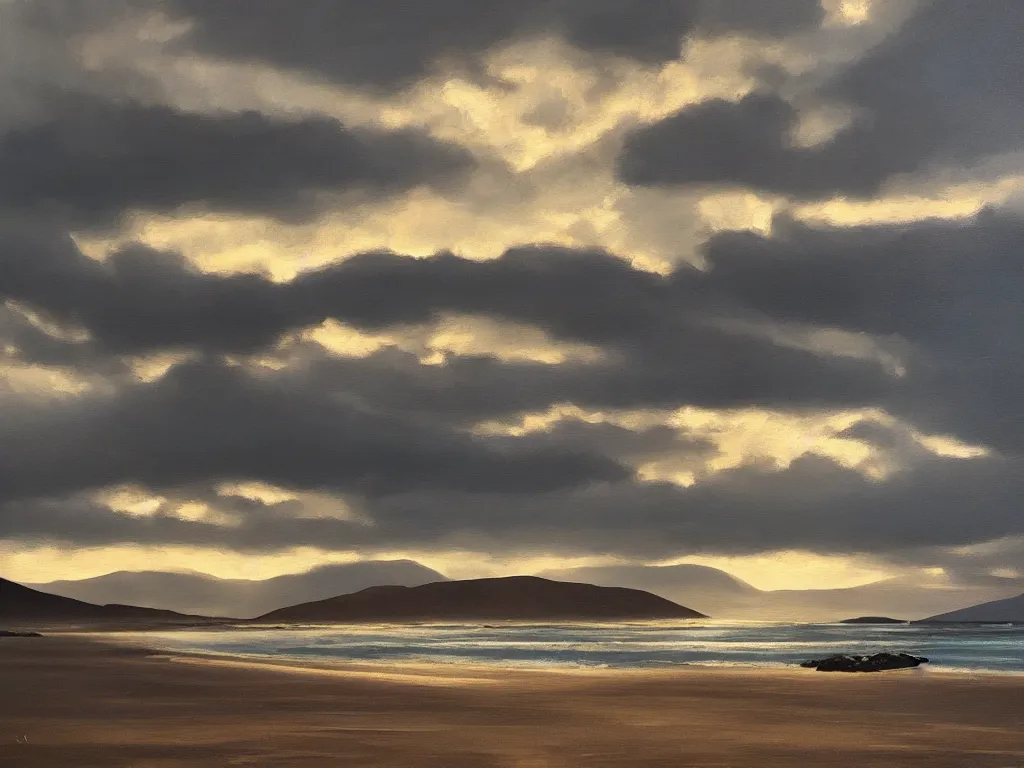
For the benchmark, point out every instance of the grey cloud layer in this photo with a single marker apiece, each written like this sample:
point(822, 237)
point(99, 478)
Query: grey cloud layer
point(814, 504)
point(389, 433)
point(661, 348)
point(951, 289)
point(205, 421)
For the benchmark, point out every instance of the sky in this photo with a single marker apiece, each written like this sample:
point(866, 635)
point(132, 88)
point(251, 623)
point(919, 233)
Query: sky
point(506, 287)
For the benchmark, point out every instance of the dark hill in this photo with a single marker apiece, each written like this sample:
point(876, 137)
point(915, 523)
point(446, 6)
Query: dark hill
point(515, 598)
point(1009, 610)
point(18, 602)
point(22, 604)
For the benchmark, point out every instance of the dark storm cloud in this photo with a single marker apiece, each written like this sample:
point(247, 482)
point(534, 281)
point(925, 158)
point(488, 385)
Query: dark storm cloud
point(141, 300)
point(21, 341)
point(954, 290)
point(206, 422)
point(748, 143)
point(623, 444)
point(138, 300)
point(41, 57)
point(94, 159)
point(712, 370)
point(952, 71)
point(391, 43)
point(779, 18)
point(815, 505)
point(941, 92)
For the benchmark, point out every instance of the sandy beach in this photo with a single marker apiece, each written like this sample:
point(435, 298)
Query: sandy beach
point(74, 702)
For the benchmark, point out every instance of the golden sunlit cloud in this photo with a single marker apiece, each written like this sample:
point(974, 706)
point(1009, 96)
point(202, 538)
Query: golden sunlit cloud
point(738, 210)
point(466, 335)
point(136, 501)
point(344, 341)
point(39, 381)
point(306, 505)
point(747, 436)
point(525, 190)
point(257, 491)
point(953, 202)
point(819, 125)
point(848, 12)
point(59, 331)
point(832, 342)
point(150, 368)
point(945, 445)
point(130, 500)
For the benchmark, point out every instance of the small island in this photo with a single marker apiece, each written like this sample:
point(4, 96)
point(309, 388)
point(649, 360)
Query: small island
point(872, 620)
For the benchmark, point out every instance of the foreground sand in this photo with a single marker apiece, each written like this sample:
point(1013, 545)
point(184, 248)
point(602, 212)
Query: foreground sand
point(87, 704)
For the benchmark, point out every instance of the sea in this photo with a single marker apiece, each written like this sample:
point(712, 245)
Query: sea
point(954, 648)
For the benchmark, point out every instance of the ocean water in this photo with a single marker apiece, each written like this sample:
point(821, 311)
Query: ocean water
point(626, 645)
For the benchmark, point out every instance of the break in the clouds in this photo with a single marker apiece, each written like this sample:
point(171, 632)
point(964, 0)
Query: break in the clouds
point(878, 363)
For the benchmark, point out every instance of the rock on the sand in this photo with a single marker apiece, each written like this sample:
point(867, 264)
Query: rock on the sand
point(876, 662)
point(5, 633)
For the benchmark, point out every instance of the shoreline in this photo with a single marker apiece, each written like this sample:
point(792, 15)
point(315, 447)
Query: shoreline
point(82, 701)
point(136, 639)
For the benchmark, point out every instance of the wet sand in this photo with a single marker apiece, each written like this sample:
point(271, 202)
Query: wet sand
point(84, 703)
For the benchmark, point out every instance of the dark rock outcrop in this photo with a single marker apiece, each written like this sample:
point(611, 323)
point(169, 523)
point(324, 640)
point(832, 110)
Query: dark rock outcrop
point(876, 662)
point(5, 633)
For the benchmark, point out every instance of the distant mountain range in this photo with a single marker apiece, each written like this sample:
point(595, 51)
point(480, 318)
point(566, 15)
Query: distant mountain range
point(1007, 610)
point(906, 597)
point(707, 590)
point(241, 598)
point(522, 598)
point(722, 596)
